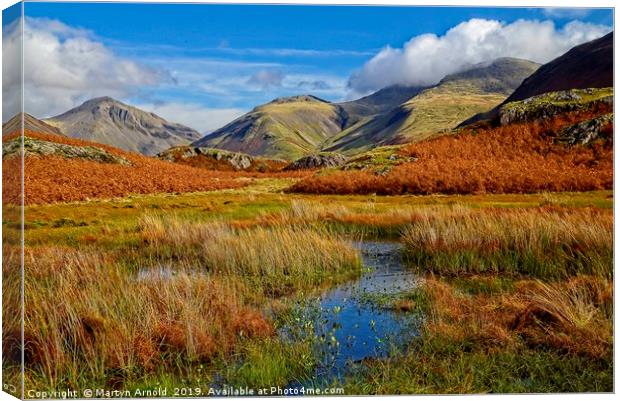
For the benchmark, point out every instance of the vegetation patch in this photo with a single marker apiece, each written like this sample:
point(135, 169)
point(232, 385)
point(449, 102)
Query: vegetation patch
point(518, 158)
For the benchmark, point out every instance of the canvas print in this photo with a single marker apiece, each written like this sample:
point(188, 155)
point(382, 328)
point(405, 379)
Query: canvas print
point(270, 200)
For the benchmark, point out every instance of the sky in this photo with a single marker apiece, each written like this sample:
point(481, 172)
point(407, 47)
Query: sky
point(204, 65)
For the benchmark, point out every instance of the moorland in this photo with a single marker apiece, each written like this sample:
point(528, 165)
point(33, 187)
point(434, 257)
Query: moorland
point(401, 243)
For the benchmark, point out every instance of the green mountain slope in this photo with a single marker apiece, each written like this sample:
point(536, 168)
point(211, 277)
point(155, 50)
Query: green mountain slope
point(286, 128)
point(438, 109)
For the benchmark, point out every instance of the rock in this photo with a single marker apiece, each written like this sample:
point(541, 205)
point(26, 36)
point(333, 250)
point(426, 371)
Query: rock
point(585, 132)
point(553, 103)
point(38, 147)
point(320, 160)
point(238, 161)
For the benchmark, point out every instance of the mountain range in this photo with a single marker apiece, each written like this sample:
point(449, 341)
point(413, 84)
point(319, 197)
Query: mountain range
point(292, 127)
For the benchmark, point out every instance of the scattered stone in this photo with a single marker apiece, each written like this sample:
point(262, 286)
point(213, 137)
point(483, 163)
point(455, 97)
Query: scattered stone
point(238, 161)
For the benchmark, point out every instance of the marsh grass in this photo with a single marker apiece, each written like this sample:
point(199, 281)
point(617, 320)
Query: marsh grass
point(538, 242)
point(535, 337)
point(143, 295)
point(278, 260)
point(190, 294)
point(271, 362)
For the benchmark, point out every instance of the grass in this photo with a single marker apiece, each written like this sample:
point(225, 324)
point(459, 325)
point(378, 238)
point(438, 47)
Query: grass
point(274, 259)
point(270, 362)
point(189, 294)
point(542, 242)
point(533, 337)
point(127, 295)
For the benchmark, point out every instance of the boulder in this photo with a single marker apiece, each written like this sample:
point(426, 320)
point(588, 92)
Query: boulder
point(317, 161)
point(587, 131)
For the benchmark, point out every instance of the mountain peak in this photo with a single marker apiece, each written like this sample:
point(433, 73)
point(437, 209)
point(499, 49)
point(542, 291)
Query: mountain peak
point(30, 123)
point(501, 75)
point(298, 98)
point(109, 121)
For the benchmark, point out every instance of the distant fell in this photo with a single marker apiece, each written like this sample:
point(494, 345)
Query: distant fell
point(437, 110)
point(108, 121)
point(30, 123)
point(285, 128)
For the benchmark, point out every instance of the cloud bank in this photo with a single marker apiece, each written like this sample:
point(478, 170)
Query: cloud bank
point(65, 66)
point(427, 58)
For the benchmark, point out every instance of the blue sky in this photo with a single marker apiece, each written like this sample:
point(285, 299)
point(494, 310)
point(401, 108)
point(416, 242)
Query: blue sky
point(206, 64)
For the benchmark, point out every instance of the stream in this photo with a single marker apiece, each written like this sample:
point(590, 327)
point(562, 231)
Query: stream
point(348, 322)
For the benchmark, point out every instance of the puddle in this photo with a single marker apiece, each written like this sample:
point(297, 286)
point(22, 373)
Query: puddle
point(349, 327)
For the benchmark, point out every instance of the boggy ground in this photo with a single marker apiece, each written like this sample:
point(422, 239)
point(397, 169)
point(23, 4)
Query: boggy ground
point(170, 290)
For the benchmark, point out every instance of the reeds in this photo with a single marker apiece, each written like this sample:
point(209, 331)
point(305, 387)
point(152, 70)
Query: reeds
point(538, 242)
point(279, 259)
point(189, 296)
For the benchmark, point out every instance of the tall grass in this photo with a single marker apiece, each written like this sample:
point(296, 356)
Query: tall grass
point(536, 337)
point(92, 320)
point(279, 259)
point(539, 242)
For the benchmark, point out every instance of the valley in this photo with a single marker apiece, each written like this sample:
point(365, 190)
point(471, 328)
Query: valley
point(454, 238)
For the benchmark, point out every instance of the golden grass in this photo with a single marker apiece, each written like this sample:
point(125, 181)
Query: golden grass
point(548, 242)
point(571, 317)
point(190, 295)
point(278, 257)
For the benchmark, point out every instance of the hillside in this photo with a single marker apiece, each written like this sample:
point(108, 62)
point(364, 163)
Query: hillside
point(62, 169)
point(108, 121)
point(589, 65)
point(379, 102)
point(437, 109)
point(571, 150)
point(30, 123)
point(285, 128)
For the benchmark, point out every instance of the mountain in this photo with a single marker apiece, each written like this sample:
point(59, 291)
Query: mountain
point(589, 65)
point(30, 123)
point(285, 128)
point(380, 101)
point(437, 109)
point(108, 121)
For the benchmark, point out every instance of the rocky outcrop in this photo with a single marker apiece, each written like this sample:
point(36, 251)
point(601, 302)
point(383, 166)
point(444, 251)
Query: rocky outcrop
point(587, 131)
point(37, 147)
point(550, 104)
point(320, 160)
point(233, 160)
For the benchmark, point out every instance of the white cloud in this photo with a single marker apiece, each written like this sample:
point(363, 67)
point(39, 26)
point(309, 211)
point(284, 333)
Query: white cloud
point(63, 66)
point(198, 117)
point(427, 58)
point(266, 79)
point(564, 12)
